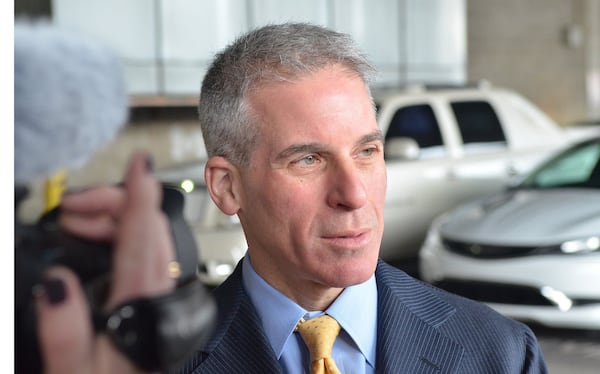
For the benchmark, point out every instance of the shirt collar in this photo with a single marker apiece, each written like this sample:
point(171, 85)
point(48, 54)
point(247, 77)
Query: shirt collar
point(279, 314)
point(359, 319)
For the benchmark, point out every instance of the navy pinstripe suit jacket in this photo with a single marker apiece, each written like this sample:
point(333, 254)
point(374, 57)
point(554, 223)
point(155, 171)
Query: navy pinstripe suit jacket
point(420, 329)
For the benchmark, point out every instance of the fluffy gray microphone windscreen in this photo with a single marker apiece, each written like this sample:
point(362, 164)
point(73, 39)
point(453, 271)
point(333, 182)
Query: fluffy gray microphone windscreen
point(69, 98)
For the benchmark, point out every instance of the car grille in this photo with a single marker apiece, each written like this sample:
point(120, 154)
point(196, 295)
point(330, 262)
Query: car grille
point(484, 251)
point(490, 292)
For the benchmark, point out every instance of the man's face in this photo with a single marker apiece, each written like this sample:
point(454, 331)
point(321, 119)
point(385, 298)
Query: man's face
point(311, 201)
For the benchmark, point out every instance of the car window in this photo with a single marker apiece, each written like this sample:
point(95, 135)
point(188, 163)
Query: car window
point(578, 167)
point(479, 126)
point(419, 123)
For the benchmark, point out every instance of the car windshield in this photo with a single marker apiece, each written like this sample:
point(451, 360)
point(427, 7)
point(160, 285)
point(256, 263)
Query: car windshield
point(577, 167)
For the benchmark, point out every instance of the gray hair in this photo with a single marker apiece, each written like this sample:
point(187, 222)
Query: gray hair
point(273, 53)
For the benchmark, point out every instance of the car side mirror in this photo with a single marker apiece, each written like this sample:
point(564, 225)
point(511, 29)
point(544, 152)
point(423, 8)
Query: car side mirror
point(401, 149)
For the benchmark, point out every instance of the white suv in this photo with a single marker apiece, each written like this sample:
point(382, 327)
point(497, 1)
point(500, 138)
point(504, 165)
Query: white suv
point(448, 145)
point(443, 146)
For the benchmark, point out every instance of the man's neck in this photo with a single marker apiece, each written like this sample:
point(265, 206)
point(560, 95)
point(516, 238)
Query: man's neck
point(308, 294)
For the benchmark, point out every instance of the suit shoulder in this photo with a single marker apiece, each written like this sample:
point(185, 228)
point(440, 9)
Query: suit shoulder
point(459, 311)
point(490, 341)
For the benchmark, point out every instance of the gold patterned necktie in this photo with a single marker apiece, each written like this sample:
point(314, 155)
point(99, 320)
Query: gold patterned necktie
point(319, 334)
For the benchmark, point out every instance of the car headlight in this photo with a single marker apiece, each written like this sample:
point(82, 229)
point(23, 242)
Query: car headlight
point(581, 245)
point(558, 298)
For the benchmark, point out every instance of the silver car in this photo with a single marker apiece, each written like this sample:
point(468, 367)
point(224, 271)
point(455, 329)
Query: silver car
point(531, 252)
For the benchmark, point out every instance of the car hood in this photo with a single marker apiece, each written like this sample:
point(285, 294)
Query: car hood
point(526, 217)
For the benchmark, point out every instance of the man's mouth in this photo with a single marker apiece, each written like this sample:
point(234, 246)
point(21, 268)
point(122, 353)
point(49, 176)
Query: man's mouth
point(349, 240)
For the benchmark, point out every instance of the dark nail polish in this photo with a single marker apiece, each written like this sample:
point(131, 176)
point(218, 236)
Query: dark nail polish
point(149, 164)
point(55, 290)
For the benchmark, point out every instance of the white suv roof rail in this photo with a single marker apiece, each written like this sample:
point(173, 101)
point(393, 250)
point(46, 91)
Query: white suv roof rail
point(423, 87)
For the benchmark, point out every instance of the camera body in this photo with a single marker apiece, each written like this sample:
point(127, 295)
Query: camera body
point(44, 244)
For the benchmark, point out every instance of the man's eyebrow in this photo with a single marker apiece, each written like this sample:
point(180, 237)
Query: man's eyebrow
point(294, 149)
point(375, 136)
point(300, 149)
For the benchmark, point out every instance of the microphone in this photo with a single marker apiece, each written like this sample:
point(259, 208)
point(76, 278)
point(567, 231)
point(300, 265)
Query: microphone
point(70, 99)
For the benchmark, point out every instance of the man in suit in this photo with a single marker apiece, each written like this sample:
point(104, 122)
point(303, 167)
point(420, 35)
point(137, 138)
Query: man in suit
point(295, 152)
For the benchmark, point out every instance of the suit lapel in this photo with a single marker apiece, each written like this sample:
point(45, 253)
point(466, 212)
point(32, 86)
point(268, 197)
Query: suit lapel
point(408, 339)
point(240, 345)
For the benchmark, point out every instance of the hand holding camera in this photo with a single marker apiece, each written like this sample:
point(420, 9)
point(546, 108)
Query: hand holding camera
point(113, 276)
point(131, 218)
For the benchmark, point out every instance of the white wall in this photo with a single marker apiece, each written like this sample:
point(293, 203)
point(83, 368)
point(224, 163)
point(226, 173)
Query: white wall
point(166, 45)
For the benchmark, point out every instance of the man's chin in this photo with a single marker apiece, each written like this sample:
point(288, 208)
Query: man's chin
point(352, 274)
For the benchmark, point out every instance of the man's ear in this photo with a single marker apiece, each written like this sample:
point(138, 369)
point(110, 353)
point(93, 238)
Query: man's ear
point(221, 176)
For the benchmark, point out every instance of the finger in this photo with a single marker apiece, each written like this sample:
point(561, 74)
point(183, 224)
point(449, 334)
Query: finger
point(64, 329)
point(92, 214)
point(101, 199)
point(142, 189)
point(144, 245)
point(91, 227)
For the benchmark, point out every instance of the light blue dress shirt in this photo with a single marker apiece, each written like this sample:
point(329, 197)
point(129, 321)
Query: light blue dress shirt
point(355, 309)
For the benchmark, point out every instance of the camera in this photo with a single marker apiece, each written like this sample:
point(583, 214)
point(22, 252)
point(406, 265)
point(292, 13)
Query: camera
point(158, 336)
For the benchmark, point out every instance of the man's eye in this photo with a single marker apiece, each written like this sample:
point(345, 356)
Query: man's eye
point(367, 152)
point(308, 160)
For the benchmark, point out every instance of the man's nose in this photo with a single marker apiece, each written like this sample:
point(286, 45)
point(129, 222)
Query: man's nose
point(346, 186)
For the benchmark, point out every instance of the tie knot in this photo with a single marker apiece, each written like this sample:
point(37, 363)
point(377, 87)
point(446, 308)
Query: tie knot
point(318, 335)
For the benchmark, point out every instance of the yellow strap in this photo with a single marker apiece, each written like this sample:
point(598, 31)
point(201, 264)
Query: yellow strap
point(53, 190)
